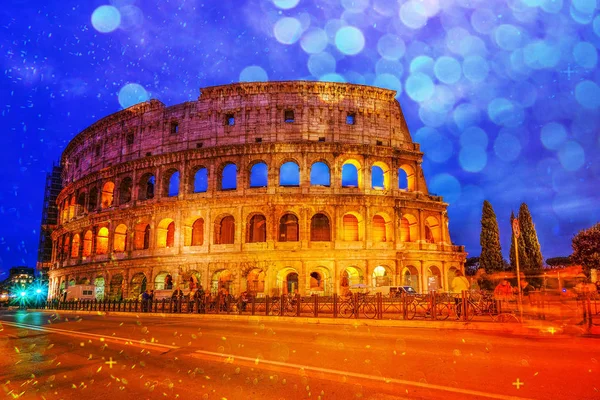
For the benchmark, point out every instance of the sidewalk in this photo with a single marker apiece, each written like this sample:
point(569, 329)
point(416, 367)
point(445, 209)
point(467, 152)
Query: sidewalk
point(529, 328)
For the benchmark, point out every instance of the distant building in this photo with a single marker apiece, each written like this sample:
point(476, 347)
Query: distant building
point(49, 221)
point(19, 276)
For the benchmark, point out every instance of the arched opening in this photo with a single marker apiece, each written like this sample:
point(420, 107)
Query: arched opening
point(257, 229)
point(380, 276)
point(93, 200)
point(201, 180)
point(410, 277)
point(289, 174)
point(108, 191)
point(163, 281)
point(116, 288)
point(349, 277)
point(75, 246)
point(146, 187)
point(350, 174)
point(291, 283)
point(320, 230)
point(120, 238)
point(99, 288)
point(229, 177)
point(165, 233)
point(406, 178)
point(221, 281)
point(66, 245)
point(191, 280)
point(171, 183)
point(255, 281)
point(408, 228)
point(350, 228)
point(141, 236)
point(102, 241)
point(80, 204)
point(259, 175)
point(316, 281)
point(288, 228)
point(198, 232)
point(138, 285)
point(319, 174)
point(87, 244)
point(84, 280)
point(432, 230)
point(225, 230)
point(125, 190)
point(380, 176)
point(379, 229)
point(434, 279)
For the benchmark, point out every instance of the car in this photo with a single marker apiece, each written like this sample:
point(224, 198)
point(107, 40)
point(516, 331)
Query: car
point(394, 290)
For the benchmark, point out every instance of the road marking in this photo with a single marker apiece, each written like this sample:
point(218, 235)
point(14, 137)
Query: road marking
point(106, 338)
point(254, 362)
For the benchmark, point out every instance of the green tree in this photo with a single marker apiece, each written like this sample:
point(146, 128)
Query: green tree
point(586, 248)
point(535, 261)
point(522, 254)
point(490, 258)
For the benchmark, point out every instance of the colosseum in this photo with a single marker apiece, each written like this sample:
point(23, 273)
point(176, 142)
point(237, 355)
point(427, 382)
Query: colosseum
point(261, 187)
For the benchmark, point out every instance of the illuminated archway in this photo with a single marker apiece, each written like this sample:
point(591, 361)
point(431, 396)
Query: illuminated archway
point(434, 279)
point(116, 287)
point(381, 276)
point(222, 279)
point(409, 228)
point(120, 238)
point(410, 277)
point(138, 285)
point(102, 241)
point(107, 194)
point(350, 276)
point(165, 234)
point(432, 230)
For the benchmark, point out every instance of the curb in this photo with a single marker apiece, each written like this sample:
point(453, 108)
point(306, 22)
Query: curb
point(534, 328)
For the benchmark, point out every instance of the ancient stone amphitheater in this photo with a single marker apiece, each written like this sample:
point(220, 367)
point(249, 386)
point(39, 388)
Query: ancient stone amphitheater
point(265, 187)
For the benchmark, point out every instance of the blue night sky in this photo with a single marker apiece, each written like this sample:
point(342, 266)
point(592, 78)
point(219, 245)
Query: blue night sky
point(503, 96)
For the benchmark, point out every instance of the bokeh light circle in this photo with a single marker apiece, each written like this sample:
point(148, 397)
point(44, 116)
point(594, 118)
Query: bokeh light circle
point(587, 94)
point(446, 185)
point(596, 25)
point(321, 64)
point(474, 136)
point(447, 69)
point(391, 47)
point(507, 147)
point(286, 4)
point(349, 40)
point(553, 135)
point(475, 68)
point(585, 54)
point(388, 81)
point(541, 54)
point(253, 73)
point(287, 30)
point(571, 156)
point(422, 64)
point(131, 94)
point(504, 112)
point(552, 6)
point(413, 14)
point(106, 19)
point(355, 6)
point(332, 78)
point(314, 41)
point(419, 87)
point(508, 37)
point(465, 115)
point(483, 20)
point(437, 147)
point(472, 158)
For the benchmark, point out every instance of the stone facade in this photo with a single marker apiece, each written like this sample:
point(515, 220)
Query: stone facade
point(224, 191)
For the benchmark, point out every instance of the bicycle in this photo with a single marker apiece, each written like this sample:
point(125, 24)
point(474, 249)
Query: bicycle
point(424, 303)
point(349, 307)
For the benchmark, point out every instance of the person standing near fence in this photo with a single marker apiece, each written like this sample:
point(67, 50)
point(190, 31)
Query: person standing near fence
point(458, 284)
point(145, 298)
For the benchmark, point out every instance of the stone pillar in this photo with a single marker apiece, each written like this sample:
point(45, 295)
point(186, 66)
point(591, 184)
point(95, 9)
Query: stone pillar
point(421, 227)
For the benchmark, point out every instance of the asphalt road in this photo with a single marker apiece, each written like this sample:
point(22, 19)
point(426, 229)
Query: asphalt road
point(64, 356)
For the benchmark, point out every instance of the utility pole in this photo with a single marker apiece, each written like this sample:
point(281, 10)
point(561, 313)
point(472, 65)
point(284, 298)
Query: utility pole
point(516, 234)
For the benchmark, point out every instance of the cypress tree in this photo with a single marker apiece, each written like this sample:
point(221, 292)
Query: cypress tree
point(535, 261)
point(522, 253)
point(489, 239)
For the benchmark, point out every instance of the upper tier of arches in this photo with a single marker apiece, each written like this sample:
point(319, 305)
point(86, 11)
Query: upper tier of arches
point(345, 174)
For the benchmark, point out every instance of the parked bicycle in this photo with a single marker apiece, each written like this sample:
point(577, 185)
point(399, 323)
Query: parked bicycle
point(353, 305)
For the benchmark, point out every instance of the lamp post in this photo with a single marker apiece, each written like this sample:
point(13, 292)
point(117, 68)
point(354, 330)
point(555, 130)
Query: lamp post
point(517, 233)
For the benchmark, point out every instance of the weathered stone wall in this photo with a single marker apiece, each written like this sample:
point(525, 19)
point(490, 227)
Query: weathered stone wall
point(320, 133)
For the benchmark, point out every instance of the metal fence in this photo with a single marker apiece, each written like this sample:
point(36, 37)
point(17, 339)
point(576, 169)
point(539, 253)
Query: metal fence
point(466, 306)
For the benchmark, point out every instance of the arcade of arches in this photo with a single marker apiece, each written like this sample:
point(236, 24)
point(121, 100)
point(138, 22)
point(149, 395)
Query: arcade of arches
point(273, 280)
